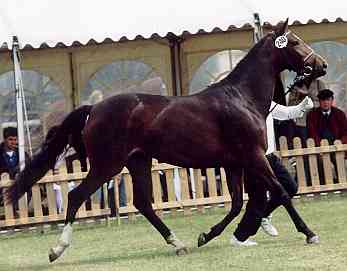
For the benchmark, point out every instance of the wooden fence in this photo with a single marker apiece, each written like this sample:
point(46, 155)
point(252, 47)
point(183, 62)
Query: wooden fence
point(198, 187)
point(319, 169)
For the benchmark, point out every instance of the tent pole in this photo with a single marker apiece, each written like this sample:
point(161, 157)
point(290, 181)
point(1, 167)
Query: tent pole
point(18, 83)
point(258, 30)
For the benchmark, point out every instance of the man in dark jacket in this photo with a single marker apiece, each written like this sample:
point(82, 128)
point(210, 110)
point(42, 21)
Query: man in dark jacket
point(327, 121)
point(9, 156)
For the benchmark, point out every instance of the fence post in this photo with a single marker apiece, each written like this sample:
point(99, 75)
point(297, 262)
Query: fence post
point(76, 165)
point(199, 188)
point(211, 182)
point(171, 196)
point(52, 205)
point(283, 149)
point(130, 196)
point(312, 159)
point(9, 214)
point(327, 165)
point(117, 179)
point(300, 168)
point(157, 195)
point(64, 186)
point(340, 163)
point(184, 189)
point(225, 190)
point(37, 203)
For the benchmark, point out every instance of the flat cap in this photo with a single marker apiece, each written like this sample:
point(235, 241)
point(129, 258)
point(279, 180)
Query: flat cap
point(325, 94)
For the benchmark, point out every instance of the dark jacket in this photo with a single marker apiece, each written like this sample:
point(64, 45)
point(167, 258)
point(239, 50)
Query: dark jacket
point(337, 124)
point(4, 167)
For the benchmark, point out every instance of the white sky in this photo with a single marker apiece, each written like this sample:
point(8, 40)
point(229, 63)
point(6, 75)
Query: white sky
point(38, 21)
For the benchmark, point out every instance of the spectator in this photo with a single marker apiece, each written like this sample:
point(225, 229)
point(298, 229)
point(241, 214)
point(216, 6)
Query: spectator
point(9, 155)
point(327, 121)
point(119, 180)
point(298, 127)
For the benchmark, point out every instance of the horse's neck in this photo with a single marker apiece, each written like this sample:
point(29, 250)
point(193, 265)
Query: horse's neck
point(255, 76)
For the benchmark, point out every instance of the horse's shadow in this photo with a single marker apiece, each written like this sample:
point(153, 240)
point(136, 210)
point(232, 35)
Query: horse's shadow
point(122, 257)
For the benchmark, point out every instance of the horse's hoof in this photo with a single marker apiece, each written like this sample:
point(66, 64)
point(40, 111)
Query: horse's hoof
point(52, 255)
point(181, 251)
point(312, 240)
point(202, 239)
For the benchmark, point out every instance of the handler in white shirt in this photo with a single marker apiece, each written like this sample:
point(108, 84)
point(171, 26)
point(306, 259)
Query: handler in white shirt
point(245, 229)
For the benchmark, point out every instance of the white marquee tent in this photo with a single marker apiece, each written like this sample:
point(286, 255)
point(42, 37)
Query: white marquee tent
point(47, 21)
point(39, 23)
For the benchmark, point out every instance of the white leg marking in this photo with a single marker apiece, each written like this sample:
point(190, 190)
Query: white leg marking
point(178, 244)
point(63, 243)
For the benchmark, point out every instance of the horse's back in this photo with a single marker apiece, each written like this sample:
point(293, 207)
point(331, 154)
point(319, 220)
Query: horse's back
point(117, 121)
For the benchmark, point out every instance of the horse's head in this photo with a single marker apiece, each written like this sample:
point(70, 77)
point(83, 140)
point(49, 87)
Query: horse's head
point(296, 55)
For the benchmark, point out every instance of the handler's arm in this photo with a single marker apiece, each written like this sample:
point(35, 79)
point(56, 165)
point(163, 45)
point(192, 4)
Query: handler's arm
point(281, 112)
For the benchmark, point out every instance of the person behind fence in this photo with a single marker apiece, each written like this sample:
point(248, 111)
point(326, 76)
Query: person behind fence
point(327, 122)
point(295, 97)
point(258, 210)
point(9, 155)
point(298, 126)
point(118, 180)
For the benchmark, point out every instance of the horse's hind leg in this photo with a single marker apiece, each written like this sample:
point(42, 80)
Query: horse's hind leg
point(76, 197)
point(140, 169)
point(234, 181)
point(263, 171)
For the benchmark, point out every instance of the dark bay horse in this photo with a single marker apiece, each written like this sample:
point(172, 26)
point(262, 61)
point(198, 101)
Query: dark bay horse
point(222, 126)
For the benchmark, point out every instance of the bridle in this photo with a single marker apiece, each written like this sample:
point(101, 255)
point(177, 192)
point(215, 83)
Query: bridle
point(305, 68)
point(306, 72)
point(298, 80)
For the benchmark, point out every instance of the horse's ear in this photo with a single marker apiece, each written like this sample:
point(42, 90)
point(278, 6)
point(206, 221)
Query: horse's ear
point(282, 28)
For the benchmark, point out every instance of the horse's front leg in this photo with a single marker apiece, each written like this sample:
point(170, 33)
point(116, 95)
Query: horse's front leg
point(75, 199)
point(140, 169)
point(234, 181)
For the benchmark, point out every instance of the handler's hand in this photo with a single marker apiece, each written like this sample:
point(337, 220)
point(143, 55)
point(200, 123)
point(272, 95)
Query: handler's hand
point(306, 104)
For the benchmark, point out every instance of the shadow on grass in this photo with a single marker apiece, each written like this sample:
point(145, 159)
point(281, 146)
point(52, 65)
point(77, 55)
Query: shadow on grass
point(136, 255)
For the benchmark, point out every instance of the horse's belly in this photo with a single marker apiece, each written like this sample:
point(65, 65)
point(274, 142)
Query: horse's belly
point(189, 153)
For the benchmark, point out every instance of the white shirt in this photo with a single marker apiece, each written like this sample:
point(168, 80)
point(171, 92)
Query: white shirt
point(10, 153)
point(279, 112)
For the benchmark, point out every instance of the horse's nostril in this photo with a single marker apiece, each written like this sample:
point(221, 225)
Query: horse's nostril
point(325, 65)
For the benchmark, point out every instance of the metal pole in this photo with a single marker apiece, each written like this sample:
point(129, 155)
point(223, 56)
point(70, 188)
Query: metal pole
point(19, 101)
point(258, 30)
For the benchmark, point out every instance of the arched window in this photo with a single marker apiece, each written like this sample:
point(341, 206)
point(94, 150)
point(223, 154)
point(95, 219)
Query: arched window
point(215, 68)
point(45, 103)
point(124, 76)
point(336, 78)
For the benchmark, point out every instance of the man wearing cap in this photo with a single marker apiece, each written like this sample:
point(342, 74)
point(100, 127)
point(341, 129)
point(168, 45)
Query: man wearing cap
point(327, 121)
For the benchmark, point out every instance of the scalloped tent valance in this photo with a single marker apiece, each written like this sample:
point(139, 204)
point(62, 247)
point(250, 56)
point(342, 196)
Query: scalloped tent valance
point(42, 24)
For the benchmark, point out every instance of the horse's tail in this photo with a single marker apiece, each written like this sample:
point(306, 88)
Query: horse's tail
point(58, 137)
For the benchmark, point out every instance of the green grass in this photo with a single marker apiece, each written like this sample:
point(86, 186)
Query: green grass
point(138, 246)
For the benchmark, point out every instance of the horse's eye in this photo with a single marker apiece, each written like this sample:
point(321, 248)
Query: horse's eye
point(295, 42)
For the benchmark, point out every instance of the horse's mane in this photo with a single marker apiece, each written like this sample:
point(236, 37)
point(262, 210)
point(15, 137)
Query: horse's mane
point(244, 62)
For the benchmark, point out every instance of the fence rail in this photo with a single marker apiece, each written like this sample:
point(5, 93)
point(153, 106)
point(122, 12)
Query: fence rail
point(318, 169)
